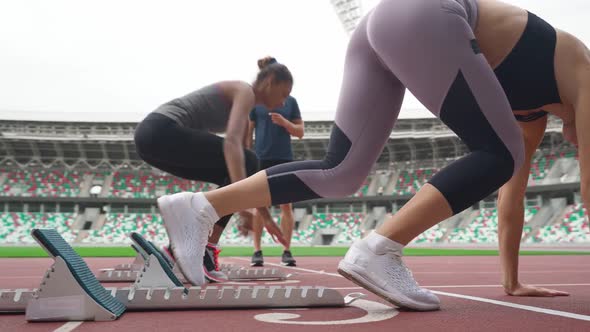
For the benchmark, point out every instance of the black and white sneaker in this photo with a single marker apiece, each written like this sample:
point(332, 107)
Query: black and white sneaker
point(288, 259)
point(211, 264)
point(257, 259)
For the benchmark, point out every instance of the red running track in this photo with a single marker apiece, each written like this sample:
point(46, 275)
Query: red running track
point(468, 287)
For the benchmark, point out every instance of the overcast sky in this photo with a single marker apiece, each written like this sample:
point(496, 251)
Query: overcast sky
point(117, 60)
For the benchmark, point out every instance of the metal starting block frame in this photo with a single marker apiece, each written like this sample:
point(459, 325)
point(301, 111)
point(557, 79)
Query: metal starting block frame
point(229, 297)
point(136, 265)
point(223, 267)
point(237, 274)
point(15, 300)
point(69, 291)
point(62, 296)
point(130, 272)
point(145, 249)
point(138, 262)
point(177, 298)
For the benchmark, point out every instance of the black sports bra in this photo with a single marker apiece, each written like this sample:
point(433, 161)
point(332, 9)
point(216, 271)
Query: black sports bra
point(527, 75)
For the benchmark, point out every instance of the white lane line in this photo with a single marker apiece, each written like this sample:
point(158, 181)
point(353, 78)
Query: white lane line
point(518, 306)
point(426, 272)
point(475, 286)
point(473, 298)
point(419, 272)
point(498, 272)
point(295, 268)
point(493, 286)
point(67, 327)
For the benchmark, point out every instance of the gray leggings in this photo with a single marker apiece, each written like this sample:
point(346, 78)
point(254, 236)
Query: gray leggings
point(428, 47)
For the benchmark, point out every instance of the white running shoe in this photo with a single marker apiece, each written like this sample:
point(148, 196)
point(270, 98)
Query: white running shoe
point(387, 276)
point(188, 231)
point(210, 267)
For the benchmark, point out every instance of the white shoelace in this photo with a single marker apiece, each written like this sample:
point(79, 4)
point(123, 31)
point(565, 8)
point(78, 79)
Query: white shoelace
point(408, 277)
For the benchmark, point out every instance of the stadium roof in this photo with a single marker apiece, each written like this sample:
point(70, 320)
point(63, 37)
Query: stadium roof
point(122, 117)
point(35, 143)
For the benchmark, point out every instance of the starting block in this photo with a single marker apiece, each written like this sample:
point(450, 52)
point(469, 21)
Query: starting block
point(130, 272)
point(236, 275)
point(69, 290)
point(15, 301)
point(136, 265)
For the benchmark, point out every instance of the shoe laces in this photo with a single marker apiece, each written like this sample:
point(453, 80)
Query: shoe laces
point(397, 257)
point(216, 251)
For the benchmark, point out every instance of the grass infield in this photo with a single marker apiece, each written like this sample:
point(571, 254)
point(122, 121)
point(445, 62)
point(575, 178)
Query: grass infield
point(277, 251)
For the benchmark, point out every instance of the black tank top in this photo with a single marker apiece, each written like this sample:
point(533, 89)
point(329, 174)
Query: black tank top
point(204, 109)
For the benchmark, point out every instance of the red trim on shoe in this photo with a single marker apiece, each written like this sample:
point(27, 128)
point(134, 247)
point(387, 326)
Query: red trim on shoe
point(208, 276)
point(216, 251)
point(168, 252)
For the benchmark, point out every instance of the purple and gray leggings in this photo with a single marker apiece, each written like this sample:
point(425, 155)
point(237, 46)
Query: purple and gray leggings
point(429, 48)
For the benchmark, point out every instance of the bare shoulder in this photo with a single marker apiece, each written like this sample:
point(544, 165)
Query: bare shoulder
point(572, 65)
point(571, 47)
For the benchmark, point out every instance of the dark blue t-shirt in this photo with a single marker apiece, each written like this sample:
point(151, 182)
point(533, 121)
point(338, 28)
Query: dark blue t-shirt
point(273, 142)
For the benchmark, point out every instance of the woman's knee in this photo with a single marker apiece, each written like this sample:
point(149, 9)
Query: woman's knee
point(342, 181)
point(517, 151)
point(506, 167)
point(354, 184)
point(511, 156)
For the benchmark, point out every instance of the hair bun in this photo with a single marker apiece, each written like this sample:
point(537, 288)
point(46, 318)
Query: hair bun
point(266, 61)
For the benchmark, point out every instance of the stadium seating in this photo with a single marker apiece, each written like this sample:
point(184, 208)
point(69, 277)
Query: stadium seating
point(119, 225)
point(409, 182)
point(347, 224)
point(132, 185)
point(432, 235)
point(543, 162)
point(144, 185)
point(484, 227)
point(573, 228)
point(173, 184)
point(16, 227)
point(364, 189)
point(42, 183)
point(541, 165)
